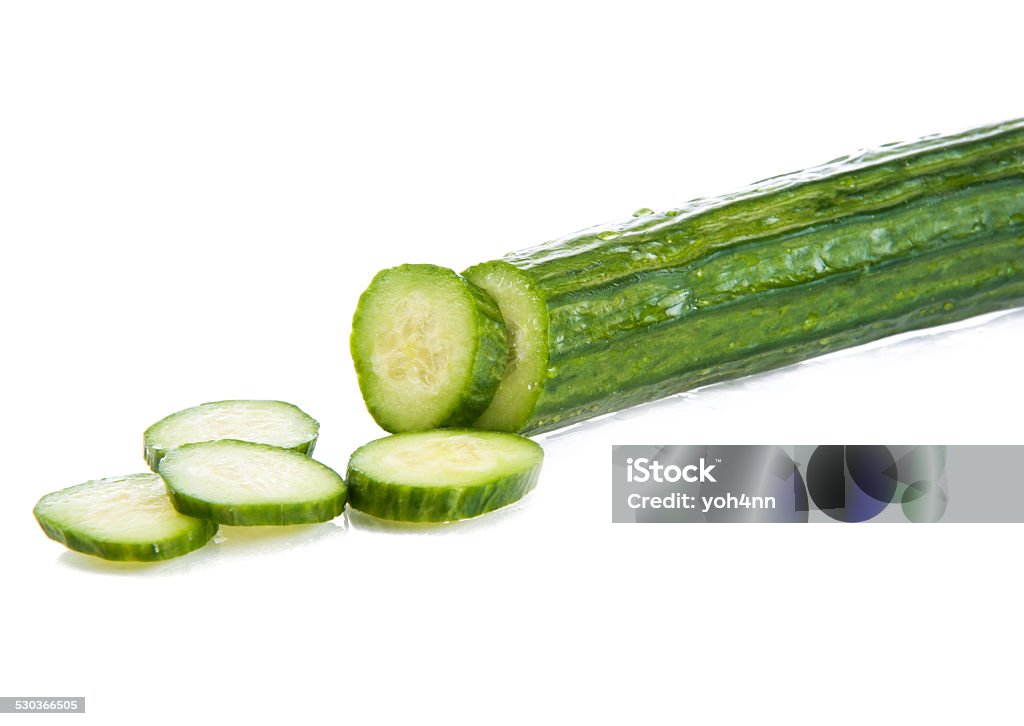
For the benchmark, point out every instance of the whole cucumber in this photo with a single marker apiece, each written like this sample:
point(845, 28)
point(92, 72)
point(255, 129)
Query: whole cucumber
point(886, 241)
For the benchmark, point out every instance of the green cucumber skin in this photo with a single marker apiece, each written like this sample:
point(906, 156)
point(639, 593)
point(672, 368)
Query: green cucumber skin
point(891, 241)
point(122, 552)
point(872, 181)
point(154, 454)
point(772, 330)
point(406, 503)
point(248, 515)
point(490, 360)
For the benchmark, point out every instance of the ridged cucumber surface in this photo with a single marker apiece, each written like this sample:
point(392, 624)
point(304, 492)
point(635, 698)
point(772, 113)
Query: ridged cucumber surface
point(429, 348)
point(892, 240)
point(442, 475)
point(242, 483)
point(121, 518)
point(275, 423)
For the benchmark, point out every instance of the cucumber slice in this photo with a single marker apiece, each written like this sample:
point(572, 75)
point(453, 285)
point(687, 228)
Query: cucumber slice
point(242, 483)
point(263, 422)
point(121, 518)
point(429, 348)
point(442, 475)
point(526, 319)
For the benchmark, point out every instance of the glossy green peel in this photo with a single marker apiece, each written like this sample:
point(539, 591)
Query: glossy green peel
point(888, 241)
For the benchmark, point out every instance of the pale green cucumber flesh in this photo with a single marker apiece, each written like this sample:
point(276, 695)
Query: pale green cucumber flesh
point(242, 483)
point(443, 475)
point(127, 518)
point(526, 319)
point(429, 348)
point(275, 423)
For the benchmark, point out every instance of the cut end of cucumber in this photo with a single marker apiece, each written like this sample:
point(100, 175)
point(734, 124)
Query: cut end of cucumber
point(442, 475)
point(275, 423)
point(242, 483)
point(428, 348)
point(121, 518)
point(525, 315)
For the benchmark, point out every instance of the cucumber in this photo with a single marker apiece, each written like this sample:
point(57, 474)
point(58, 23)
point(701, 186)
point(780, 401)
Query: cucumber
point(243, 483)
point(442, 475)
point(888, 241)
point(526, 320)
point(264, 422)
point(429, 348)
point(121, 518)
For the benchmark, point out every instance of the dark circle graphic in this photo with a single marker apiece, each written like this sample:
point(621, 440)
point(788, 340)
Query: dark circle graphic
point(851, 483)
point(924, 501)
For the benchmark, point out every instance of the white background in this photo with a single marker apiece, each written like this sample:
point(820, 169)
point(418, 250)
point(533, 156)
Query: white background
point(192, 196)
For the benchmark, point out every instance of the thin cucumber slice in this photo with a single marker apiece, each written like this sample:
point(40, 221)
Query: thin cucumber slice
point(442, 475)
point(275, 423)
point(429, 348)
point(121, 518)
point(242, 483)
point(526, 319)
